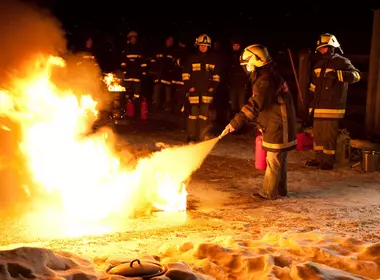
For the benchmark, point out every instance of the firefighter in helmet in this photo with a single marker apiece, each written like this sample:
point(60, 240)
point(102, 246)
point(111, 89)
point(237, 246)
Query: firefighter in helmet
point(271, 107)
point(328, 87)
point(161, 68)
point(181, 55)
point(237, 79)
point(86, 52)
point(134, 66)
point(201, 78)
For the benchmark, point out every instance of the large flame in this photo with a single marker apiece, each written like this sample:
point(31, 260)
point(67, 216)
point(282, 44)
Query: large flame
point(113, 82)
point(84, 171)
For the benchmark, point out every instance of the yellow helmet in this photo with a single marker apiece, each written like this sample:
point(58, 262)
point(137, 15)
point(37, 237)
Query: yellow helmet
point(203, 39)
point(132, 34)
point(255, 56)
point(327, 39)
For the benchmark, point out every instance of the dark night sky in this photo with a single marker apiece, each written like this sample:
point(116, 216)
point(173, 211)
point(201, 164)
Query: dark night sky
point(295, 24)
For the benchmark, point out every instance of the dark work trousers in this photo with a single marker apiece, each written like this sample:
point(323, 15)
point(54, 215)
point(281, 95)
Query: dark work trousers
point(325, 134)
point(198, 118)
point(237, 94)
point(158, 89)
point(275, 178)
point(134, 93)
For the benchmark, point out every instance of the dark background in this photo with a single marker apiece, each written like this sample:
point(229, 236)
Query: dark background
point(278, 24)
point(294, 25)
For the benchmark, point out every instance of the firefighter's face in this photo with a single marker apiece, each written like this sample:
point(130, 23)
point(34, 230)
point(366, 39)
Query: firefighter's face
point(169, 42)
point(133, 39)
point(203, 48)
point(89, 43)
point(236, 47)
point(323, 50)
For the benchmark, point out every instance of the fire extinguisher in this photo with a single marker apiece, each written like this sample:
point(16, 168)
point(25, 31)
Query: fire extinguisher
point(130, 108)
point(260, 153)
point(144, 109)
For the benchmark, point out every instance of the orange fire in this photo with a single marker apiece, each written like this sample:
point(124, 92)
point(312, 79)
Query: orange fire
point(85, 172)
point(112, 82)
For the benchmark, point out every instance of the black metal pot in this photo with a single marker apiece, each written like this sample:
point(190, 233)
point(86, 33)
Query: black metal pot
point(137, 268)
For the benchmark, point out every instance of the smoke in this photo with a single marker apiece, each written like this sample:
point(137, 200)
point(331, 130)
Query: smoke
point(26, 33)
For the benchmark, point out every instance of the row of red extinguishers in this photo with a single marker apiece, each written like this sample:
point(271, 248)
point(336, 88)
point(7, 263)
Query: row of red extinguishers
point(130, 109)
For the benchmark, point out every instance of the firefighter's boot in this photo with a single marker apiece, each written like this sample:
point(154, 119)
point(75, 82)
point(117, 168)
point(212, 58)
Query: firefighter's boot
point(316, 161)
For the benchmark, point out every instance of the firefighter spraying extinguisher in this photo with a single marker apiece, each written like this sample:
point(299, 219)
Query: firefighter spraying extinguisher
point(271, 106)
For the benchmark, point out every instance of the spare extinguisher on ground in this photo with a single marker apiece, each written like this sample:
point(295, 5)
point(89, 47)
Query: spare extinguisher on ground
point(144, 109)
point(260, 153)
point(130, 108)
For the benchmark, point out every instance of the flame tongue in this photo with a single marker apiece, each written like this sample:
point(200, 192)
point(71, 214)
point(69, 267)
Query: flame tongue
point(113, 82)
point(86, 173)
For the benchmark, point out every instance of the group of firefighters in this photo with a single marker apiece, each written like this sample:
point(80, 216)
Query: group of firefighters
point(185, 82)
point(270, 105)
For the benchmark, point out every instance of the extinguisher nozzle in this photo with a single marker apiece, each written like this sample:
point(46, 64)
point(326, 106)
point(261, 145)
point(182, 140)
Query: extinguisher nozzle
point(224, 133)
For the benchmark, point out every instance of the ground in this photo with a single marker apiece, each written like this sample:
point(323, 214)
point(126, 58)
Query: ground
point(345, 201)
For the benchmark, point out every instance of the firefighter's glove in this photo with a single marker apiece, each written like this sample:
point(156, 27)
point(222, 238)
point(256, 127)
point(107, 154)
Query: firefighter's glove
point(229, 128)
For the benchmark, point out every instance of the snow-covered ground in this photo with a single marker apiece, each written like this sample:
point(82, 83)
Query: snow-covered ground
point(328, 227)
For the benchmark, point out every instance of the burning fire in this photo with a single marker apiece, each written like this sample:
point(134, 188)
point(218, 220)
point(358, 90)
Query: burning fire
point(112, 82)
point(85, 172)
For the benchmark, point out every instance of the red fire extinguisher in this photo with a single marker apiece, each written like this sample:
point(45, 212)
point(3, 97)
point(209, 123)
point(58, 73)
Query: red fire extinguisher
point(260, 153)
point(144, 109)
point(130, 109)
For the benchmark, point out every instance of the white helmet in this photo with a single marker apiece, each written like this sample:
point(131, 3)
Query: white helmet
point(327, 39)
point(204, 40)
point(255, 56)
point(132, 34)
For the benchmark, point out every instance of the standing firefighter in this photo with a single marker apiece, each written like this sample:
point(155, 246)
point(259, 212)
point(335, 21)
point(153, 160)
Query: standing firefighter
point(86, 53)
point(237, 80)
point(271, 106)
point(181, 55)
point(329, 82)
point(133, 66)
point(201, 78)
point(161, 66)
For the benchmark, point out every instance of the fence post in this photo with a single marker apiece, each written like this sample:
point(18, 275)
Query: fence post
point(372, 120)
point(303, 78)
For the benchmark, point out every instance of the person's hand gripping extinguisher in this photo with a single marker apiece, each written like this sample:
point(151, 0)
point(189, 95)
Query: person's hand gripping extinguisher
point(228, 129)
